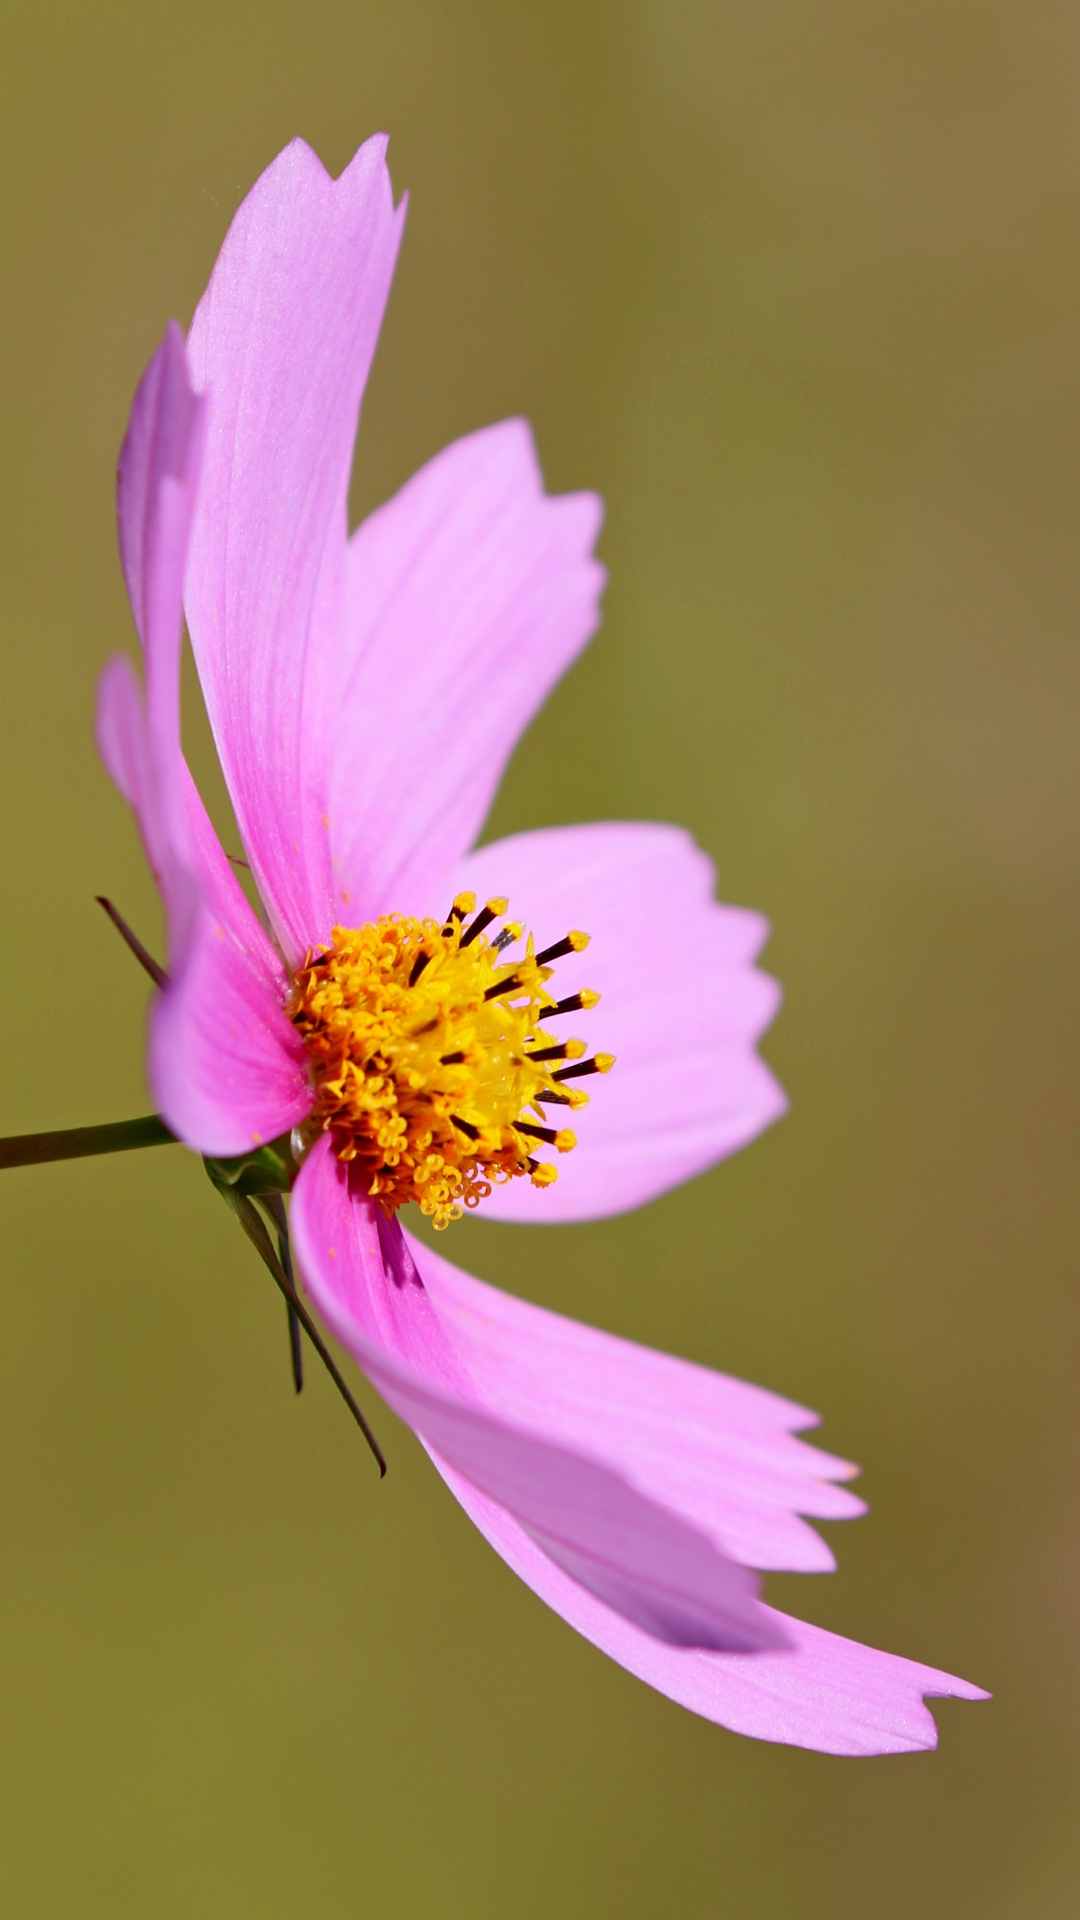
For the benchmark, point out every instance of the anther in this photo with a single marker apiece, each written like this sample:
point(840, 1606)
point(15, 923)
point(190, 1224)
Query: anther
point(484, 919)
point(562, 1138)
point(418, 966)
point(570, 1050)
point(503, 986)
point(462, 907)
point(600, 1063)
point(511, 932)
point(572, 943)
point(582, 1002)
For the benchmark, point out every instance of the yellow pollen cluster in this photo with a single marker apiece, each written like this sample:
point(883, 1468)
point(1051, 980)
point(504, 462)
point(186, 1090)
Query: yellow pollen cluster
point(429, 1061)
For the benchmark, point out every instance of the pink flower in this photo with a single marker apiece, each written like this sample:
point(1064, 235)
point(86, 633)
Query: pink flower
point(364, 695)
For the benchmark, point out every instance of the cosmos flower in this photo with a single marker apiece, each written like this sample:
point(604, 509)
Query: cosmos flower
point(413, 1014)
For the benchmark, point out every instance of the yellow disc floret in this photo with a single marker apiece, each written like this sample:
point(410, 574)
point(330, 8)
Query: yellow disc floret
point(429, 1061)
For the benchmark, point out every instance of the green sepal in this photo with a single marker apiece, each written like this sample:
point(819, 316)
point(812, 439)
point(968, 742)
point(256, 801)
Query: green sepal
point(269, 1169)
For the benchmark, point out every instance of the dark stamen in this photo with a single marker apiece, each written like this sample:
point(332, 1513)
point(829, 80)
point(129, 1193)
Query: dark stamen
point(483, 919)
point(549, 1053)
point(505, 939)
point(575, 1072)
point(503, 986)
point(418, 966)
point(572, 1004)
point(548, 1134)
point(556, 1099)
point(557, 951)
point(465, 1126)
point(451, 1059)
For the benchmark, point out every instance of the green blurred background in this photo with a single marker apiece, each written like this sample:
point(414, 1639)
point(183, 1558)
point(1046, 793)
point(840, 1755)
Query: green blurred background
point(796, 288)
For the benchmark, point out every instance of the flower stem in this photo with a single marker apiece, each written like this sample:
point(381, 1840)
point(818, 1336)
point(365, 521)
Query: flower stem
point(274, 1205)
point(252, 1222)
point(76, 1143)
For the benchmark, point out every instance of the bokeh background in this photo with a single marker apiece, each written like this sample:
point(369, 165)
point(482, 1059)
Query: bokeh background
point(796, 287)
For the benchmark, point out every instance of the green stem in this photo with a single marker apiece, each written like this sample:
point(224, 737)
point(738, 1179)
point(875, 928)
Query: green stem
point(252, 1222)
point(76, 1143)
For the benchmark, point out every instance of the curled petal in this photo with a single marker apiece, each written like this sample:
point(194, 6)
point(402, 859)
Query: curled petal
point(226, 1066)
point(645, 1562)
point(720, 1452)
point(819, 1691)
point(225, 1062)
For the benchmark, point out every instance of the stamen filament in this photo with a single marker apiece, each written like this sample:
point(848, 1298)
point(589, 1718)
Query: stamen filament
point(561, 1138)
point(582, 1002)
point(572, 943)
point(600, 1063)
point(484, 919)
point(570, 1050)
point(503, 986)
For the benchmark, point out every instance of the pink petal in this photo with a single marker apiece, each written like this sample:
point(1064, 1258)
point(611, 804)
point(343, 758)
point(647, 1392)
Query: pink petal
point(821, 1691)
point(719, 1452)
point(646, 1563)
point(224, 1060)
point(282, 342)
point(156, 489)
point(468, 595)
point(681, 1009)
point(226, 1066)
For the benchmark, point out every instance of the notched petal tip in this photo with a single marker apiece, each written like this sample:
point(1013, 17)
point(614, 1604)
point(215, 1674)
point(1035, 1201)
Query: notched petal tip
point(299, 162)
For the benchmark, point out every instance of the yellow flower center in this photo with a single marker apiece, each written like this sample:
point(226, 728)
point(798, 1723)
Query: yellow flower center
point(431, 1067)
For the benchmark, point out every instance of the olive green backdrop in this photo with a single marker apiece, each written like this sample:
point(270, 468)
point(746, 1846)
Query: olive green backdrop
point(796, 288)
